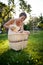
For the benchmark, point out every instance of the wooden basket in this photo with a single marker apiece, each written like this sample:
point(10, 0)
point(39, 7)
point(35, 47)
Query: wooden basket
point(18, 41)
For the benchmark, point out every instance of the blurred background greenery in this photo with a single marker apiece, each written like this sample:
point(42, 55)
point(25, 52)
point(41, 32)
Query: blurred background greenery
point(7, 10)
point(33, 53)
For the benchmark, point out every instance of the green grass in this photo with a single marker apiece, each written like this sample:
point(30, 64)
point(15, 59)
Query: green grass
point(35, 47)
point(3, 43)
point(31, 55)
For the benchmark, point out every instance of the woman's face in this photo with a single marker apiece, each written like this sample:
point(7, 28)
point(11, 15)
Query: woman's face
point(20, 22)
point(23, 18)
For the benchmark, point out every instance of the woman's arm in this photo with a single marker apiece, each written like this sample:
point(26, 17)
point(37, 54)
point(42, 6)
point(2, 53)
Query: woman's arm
point(11, 21)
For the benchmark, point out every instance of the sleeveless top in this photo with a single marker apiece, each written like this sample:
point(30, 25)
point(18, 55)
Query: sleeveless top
point(17, 28)
point(14, 25)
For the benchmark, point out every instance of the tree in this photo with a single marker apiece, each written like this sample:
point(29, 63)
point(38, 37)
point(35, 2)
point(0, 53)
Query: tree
point(24, 6)
point(5, 10)
point(40, 24)
point(5, 14)
point(32, 24)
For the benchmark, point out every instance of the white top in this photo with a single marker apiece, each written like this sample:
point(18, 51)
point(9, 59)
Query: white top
point(16, 29)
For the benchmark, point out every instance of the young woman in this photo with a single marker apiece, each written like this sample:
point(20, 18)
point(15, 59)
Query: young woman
point(16, 25)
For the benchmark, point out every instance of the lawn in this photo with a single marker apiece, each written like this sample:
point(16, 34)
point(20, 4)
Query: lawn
point(31, 55)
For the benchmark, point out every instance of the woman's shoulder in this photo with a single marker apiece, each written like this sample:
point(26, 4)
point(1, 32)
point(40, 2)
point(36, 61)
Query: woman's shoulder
point(12, 19)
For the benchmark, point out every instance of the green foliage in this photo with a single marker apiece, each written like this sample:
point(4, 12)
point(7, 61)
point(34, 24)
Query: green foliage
point(40, 24)
point(24, 6)
point(5, 13)
point(27, 26)
point(5, 10)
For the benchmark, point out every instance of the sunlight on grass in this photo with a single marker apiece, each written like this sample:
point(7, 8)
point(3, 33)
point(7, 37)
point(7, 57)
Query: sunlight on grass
point(35, 47)
point(3, 43)
point(3, 46)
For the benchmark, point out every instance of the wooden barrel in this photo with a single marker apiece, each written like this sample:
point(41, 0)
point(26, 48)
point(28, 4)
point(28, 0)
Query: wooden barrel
point(18, 41)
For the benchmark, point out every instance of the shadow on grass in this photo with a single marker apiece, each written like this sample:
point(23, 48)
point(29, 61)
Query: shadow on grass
point(11, 57)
